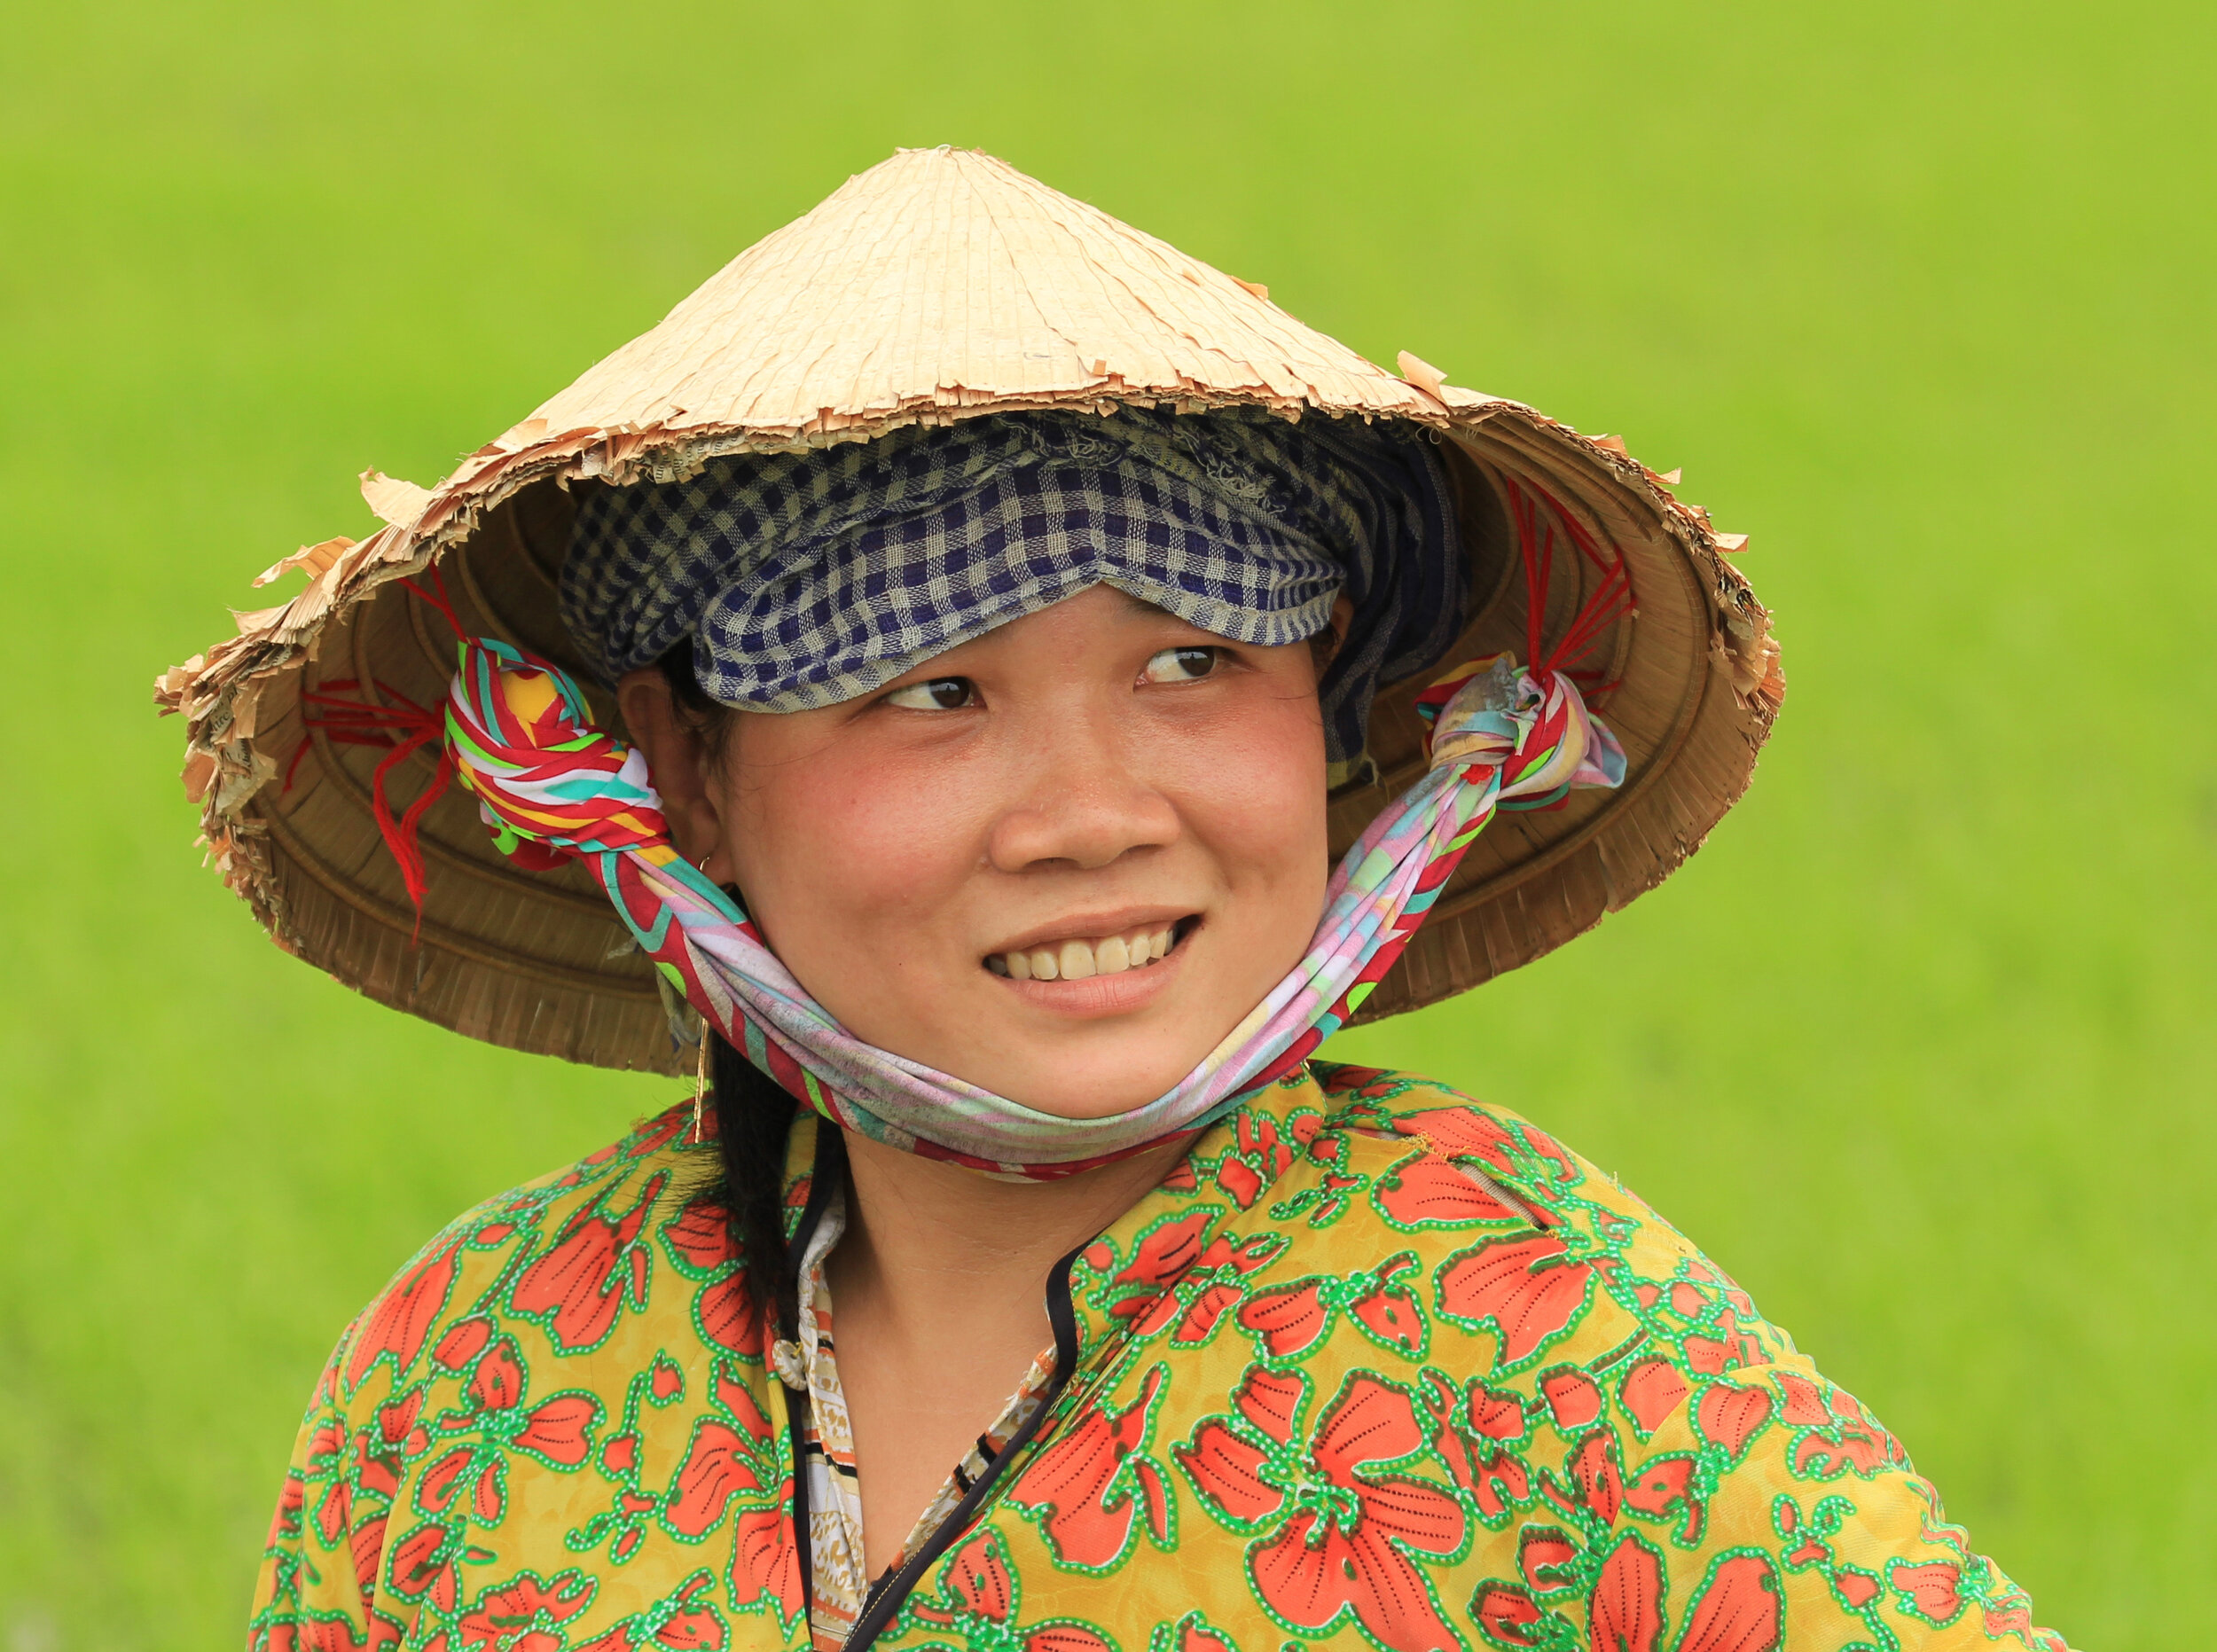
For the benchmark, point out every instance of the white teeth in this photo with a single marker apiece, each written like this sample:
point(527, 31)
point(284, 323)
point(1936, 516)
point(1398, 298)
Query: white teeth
point(1076, 960)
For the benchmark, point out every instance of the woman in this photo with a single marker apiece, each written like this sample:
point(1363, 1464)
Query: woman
point(983, 773)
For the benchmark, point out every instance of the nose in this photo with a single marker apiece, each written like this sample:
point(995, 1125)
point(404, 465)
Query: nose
point(1083, 805)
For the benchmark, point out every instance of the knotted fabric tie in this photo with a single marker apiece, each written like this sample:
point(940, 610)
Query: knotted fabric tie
point(550, 785)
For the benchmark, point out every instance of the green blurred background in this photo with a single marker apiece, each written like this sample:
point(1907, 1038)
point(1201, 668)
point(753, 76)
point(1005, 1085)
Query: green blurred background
point(1919, 1048)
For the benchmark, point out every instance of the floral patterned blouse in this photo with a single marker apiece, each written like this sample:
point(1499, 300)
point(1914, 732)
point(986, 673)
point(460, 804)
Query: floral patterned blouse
point(1375, 1365)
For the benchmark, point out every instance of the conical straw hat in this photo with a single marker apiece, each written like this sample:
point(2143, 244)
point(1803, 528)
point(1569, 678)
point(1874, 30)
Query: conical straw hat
point(938, 286)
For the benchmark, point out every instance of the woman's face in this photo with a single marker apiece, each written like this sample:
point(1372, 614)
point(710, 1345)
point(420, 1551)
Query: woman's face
point(967, 867)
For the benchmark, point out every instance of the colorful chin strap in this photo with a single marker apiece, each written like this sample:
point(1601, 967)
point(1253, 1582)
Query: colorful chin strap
point(550, 785)
point(516, 731)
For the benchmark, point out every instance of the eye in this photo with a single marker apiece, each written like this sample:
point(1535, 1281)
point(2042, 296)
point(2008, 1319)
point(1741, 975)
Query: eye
point(1180, 665)
point(942, 694)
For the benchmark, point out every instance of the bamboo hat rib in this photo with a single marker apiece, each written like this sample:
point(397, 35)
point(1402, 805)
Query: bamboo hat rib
point(937, 285)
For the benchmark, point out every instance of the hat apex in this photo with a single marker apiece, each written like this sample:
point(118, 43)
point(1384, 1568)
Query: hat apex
point(944, 281)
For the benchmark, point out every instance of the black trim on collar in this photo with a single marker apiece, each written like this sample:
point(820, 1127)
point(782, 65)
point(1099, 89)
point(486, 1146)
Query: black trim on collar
point(884, 1600)
point(829, 1172)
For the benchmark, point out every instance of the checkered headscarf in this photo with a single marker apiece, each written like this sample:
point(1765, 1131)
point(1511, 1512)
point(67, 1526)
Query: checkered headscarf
point(808, 579)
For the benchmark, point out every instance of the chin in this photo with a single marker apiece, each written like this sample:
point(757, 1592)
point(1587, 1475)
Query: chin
point(1099, 1084)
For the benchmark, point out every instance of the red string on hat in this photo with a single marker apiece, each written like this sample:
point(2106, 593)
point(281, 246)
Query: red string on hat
point(1535, 544)
point(402, 726)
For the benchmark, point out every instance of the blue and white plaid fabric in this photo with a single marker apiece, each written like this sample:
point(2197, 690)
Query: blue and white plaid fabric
point(805, 579)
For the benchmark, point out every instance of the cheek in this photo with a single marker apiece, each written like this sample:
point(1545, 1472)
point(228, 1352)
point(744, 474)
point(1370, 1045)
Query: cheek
point(1253, 794)
point(828, 852)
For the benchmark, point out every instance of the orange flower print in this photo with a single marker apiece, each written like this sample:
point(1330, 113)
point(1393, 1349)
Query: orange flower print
point(1476, 1432)
point(1461, 1132)
point(496, 1422)
point(1837, 1436)
point(732, 1462)
point(1933, 1591)
point(1093, 1478)
point(1161, 1257)
point(1664, 1486)
point(1624, 1611)
point(1427, 1191)
point(1258, 1152)
point(1333, 1536)
point(1179, 1275)
point(738, 1463)
point(699, 1241)
point(683, 1622)
point(525, 1614)
point(1506, 1613)
point(978, 1601)
point(715, 1469)
point(1527, 1289)
point(1217, 1282)
point(1728, 1417)
point(399, 1320)
point(1652, 1392)
point(766, 1560)
point(1290, 1319)
point(1738, 1608)
point(1526, 1153)
point(1192, 1633)
point(578, 1287)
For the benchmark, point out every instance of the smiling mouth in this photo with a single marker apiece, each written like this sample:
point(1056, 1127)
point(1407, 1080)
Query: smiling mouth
point(1078, 959)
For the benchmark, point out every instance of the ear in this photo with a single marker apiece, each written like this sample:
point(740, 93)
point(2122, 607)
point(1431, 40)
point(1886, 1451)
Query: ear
point(677, 760)
point(1324, 646)
point(1342, 616)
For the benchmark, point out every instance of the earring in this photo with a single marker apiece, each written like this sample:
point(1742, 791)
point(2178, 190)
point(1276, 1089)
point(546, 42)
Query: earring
point(700, 1086)
point(701, 1073)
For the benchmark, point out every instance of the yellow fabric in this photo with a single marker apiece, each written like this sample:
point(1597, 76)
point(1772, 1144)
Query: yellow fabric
point(1375, 1365)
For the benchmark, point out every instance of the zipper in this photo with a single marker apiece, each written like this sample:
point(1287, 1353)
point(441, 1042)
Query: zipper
point(884, 1601)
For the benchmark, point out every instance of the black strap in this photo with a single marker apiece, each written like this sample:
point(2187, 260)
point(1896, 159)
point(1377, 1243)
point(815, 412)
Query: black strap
point(886, 1596)
point(828, 1173)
